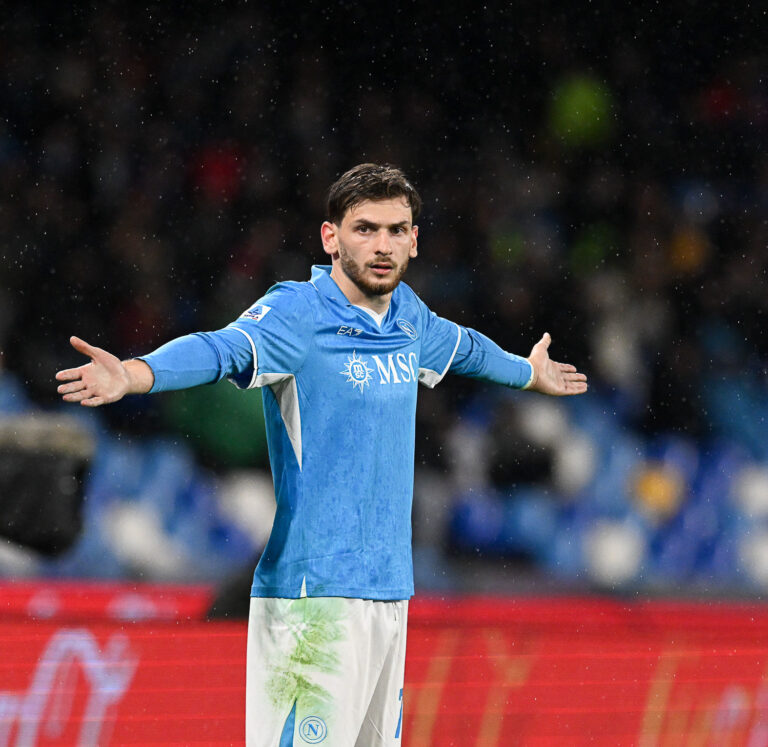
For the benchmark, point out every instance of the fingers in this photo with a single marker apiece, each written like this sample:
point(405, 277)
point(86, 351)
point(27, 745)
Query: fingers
point(77, 389)
point(74, 386)
point(85, 398)
point(570, 372)
point(70, 374)
point(83, 347)
point(77, 396)
point(558, 379)
point(567, 380)
point(576, 388)
point(93, 402)
point(575, 383)
point(85, 381)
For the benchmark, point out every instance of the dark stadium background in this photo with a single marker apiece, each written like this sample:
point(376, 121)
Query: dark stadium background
point(592, 171)
point(589, 570)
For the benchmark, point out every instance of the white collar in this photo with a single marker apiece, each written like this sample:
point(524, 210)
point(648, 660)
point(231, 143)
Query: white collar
point(378, 318)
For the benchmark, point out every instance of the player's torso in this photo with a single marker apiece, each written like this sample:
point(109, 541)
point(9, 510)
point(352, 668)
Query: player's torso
point(362, 365)
point(343, 523)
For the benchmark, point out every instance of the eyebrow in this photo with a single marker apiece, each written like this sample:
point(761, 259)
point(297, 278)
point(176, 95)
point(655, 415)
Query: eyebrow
point(371, 224)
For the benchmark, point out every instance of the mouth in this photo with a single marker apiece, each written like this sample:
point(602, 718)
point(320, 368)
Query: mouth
point(382, 268)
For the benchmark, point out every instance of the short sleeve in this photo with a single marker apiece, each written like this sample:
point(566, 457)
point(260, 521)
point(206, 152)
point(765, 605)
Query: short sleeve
point(279, 329)
point(440, 340)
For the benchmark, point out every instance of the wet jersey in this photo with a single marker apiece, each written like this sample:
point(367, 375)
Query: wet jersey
point(339, 388)
point(340, 405)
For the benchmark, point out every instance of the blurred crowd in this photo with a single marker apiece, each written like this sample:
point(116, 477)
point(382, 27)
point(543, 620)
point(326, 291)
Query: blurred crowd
point(598, 175)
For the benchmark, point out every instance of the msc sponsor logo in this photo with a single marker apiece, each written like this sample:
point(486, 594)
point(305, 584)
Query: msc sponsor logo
point(357, 371)
point(408, 328)
point(397, 368)
point(393, 368)
point(257, 312)
point(313, 730)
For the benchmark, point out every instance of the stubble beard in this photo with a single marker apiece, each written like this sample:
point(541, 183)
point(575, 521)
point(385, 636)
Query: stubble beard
point(371, 287)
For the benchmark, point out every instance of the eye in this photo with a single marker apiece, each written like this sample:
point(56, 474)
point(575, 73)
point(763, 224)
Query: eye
point(363, 229)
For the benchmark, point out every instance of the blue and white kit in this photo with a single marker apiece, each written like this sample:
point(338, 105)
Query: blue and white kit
point(327, 626)
point(339, 389)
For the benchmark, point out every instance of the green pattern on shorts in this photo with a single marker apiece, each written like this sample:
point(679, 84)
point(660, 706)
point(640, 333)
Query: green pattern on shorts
point(317, 624)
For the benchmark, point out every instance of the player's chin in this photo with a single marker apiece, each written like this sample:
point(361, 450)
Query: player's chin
point(386, 284)
point(378, 287)
point(384, 287)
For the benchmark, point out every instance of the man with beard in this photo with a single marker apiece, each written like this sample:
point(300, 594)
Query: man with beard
point(338, 359)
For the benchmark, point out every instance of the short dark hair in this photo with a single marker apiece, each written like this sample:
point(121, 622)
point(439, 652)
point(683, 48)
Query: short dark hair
point(370, 181)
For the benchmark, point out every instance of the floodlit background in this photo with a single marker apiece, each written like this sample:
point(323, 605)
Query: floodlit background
point(598, 173)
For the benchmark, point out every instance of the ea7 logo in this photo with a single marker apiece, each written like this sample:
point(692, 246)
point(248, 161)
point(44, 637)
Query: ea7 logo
point(398, 368)
point(350, 331)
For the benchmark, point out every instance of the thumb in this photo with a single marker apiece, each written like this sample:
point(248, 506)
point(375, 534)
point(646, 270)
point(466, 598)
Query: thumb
point(545, 341)
point(83, 347)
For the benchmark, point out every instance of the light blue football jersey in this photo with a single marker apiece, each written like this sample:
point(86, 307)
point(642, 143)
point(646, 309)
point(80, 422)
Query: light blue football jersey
point(340, 405)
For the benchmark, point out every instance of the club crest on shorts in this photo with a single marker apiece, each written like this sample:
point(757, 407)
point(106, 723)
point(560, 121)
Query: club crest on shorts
point(257, 312)
point(313, 730)
point(357, 371)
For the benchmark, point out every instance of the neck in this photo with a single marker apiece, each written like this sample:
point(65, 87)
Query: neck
point(356, 295)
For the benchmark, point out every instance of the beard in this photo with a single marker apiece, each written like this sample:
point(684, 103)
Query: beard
point(371, 286)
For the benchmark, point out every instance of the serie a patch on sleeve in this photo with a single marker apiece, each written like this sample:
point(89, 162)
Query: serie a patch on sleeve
point(257, 312)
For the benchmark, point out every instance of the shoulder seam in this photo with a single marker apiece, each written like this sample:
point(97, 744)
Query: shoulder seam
point(304, 290)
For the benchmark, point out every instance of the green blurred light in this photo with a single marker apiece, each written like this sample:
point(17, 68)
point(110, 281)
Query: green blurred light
point(581, 113)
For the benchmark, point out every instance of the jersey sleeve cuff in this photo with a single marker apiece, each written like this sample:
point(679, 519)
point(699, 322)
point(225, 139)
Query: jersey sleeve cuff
point(531, 378)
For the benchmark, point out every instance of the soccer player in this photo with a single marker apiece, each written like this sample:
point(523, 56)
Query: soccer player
point(338, 359)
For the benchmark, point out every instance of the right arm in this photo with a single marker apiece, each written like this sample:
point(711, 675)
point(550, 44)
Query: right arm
point(105, 379)
point(275, 325)
point(200, 358)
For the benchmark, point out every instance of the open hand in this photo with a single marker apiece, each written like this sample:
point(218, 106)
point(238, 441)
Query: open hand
point(105, 379)
point(550, 377)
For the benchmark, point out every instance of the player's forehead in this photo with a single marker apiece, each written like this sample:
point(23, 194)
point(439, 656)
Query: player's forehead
point(381, 212)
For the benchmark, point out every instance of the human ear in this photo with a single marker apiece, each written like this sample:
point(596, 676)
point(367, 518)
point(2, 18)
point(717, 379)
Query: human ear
point(329, 235)
point(413, 251)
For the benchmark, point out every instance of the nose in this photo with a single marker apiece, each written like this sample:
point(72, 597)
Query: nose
point(383, 244)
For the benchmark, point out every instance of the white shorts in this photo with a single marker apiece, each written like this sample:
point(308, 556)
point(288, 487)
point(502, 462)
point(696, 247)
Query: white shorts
point(325, 670)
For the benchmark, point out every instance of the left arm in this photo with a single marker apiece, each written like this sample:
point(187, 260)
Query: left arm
point(551, 377)
point(449, 347)
point(479, 357)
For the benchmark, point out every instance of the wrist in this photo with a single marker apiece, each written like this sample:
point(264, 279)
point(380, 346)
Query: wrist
point(140, 377)
point(534, 376)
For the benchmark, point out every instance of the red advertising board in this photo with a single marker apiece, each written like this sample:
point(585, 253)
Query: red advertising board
point(587, 672)
point(480, 673)
point(102, 600)
point(109, 684)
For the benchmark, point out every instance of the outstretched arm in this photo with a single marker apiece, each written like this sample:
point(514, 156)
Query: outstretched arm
point(191, 360)
point(550, 377)
point(479, 357)
point(105, 379)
